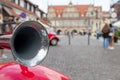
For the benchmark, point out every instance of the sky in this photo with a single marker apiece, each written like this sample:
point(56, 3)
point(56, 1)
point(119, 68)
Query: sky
point(43, 4)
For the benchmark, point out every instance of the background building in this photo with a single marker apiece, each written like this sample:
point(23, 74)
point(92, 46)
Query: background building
point(116, 9)
point(76, 18)
point(24, 10)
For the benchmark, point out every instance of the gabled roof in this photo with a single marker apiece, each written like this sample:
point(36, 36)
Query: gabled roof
point(81, 8)
point(59, 7)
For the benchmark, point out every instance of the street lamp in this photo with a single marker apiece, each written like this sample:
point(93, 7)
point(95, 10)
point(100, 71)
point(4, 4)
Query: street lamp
point(89, 30)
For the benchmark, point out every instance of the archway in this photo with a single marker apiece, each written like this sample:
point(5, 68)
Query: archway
point(59, 32)
point(74, 31)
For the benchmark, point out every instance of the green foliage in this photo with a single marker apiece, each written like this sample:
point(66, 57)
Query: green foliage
point(117, 33)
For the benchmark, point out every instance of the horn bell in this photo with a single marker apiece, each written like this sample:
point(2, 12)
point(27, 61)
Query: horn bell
point(29, 43)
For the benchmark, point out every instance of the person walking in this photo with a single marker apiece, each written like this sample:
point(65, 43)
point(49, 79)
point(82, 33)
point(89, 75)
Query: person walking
point(69, 37)
point(97, 33)
point(105, 34)
point(111, 34)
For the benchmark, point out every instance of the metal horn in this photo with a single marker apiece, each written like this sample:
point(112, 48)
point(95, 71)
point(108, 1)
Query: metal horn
point(29, 43)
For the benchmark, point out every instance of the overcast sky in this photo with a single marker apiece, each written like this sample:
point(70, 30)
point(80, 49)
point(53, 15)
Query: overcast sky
point(43, 4)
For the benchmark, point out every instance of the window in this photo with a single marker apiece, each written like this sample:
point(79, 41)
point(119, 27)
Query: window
point(22, 3)
point(53, 23)
point(28, 6)
point(41, 14)
point(52, 15)
point(17, 1)
point(57, 23)
point(32, 8)
point(38, 13)
point(51, 10)
point(25, 4)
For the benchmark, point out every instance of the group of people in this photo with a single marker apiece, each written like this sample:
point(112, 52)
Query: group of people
point(108, 36)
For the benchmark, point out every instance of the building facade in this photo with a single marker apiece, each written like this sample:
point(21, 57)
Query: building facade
point(76, 18)
point(24, 10)
point(116, 8)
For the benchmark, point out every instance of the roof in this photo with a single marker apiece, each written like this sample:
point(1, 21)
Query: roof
point(59, 9)
point(82, 8)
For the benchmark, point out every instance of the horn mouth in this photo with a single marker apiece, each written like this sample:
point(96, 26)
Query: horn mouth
point(30, 43)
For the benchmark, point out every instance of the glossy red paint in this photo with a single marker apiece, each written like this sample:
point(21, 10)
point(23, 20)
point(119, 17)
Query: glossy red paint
point(53, 36)
point(5, 41)
point(14, 71)
point(5, 44)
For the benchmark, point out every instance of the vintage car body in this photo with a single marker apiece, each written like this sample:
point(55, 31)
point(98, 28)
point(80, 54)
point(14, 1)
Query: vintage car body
point(28, 56)
point(5, 41)
point(13, 71)
point(53, 39)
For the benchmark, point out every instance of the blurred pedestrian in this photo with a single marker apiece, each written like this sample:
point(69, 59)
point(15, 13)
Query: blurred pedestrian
point(105, 34)
point(69, 39)
point(111, 34)
point(72, 33)
point(97, 33)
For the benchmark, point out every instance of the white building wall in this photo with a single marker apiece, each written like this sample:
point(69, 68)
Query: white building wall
point(22, 3)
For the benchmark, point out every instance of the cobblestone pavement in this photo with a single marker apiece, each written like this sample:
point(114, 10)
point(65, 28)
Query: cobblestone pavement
point(81, 61)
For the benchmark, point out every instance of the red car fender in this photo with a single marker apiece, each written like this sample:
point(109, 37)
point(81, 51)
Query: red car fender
point(14, 71)
point(52, 36)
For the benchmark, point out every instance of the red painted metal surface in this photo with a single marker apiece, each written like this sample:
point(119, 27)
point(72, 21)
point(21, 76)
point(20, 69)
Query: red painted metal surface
point(14, 71)
point(5, 44)
point(5, 41)
point(52, 36)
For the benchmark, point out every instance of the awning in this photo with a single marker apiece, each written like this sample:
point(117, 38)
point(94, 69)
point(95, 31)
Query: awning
point(10, 11)
point(116, 24)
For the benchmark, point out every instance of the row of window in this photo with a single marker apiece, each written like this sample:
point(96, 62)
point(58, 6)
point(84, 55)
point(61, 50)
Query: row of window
point(65, 15)
point(68, 23)
point(75, 23)
point(73, 15)
point(24, 4)
point(28, 6)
